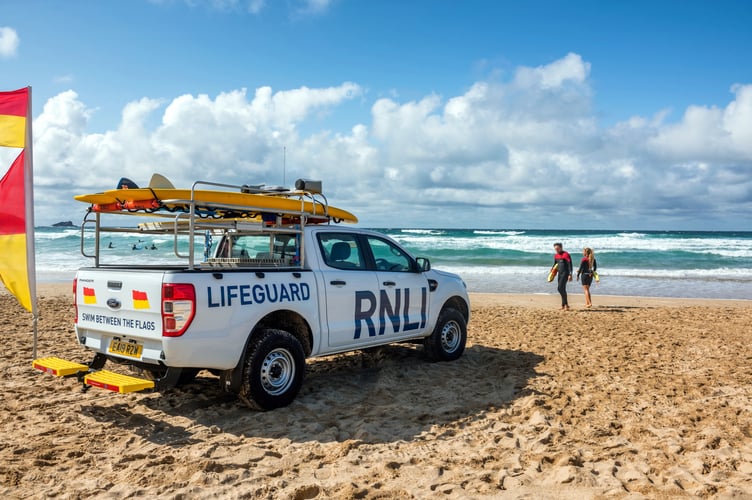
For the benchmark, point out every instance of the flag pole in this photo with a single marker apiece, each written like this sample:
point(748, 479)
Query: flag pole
point(31, 268)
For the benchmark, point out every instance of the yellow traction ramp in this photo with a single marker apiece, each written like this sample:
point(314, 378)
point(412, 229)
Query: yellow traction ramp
point(58, 367)
point(111, 381)
point(104, 379)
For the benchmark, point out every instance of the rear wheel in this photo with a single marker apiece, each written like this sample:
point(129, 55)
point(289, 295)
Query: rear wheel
point(447, 342)
point(273, 370)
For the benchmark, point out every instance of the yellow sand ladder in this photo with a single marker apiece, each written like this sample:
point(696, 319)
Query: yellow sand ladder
point(111, 381)
point(104, 379)
point(59, 367)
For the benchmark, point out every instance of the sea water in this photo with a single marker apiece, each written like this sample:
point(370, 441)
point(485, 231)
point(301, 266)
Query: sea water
point(642, 263)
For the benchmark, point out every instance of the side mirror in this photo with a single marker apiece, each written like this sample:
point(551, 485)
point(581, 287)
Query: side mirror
point(423, 264)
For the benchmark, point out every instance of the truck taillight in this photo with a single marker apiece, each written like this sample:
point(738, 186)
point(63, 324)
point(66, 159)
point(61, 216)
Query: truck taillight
point(75, 300)
point(178, 308)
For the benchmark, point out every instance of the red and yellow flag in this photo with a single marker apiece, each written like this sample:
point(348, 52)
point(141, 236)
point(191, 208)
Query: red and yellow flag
point(140, 300)
point(13, 108)
point(17, 201)
point(90, 296)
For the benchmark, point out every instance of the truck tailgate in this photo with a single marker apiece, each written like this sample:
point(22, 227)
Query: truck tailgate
point(119, 312)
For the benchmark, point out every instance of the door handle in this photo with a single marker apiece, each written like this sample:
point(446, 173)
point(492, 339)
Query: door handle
point(338, 283)
point(389, 283)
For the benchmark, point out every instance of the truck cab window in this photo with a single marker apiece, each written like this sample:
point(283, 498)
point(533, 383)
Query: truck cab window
point(388, 256)
point(341, 250)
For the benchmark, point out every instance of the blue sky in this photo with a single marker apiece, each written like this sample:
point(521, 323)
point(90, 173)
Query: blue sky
point(497, 114)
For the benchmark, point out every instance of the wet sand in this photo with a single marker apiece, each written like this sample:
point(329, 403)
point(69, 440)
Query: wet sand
point(637, 397)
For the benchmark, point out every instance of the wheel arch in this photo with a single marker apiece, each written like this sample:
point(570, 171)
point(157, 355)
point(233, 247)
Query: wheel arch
point(460, 304)
point(289, 321)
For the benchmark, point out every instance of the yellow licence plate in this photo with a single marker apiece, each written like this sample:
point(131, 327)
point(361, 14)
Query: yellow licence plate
point(130, 349)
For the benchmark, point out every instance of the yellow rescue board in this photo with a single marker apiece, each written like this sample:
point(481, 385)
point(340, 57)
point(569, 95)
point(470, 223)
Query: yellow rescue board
point(139, 199)
point(553, 272)
point(95, 198)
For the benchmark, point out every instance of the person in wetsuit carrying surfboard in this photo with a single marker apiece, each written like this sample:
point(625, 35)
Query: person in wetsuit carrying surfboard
point(588, 270)
point(563, 264)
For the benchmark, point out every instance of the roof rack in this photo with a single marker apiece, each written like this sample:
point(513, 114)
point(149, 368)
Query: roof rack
point(222, 213)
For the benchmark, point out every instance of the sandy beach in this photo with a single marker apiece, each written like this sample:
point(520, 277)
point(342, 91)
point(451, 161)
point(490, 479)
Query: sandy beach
point(635, 398)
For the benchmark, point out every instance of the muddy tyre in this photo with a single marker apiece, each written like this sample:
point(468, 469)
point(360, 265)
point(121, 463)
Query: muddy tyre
point(447, 342)
point(273, 370)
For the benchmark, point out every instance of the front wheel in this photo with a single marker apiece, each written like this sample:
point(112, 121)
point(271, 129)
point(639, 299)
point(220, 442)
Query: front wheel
point(273, 370)
point(447, 342)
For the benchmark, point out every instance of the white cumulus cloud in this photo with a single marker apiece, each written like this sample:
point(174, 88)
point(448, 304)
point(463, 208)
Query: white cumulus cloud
point(711, 133)
point(571, 68)
point(528, 152)
point(229, 139)
point(9, 42)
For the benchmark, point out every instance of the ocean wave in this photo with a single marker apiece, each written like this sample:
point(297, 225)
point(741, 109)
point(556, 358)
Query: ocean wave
point(631, 235)
point(422, 231)
point(502, 233)
point(743, 275)
point(672, 250)
point(542, 245)
point(511, 260)
point(59, 234)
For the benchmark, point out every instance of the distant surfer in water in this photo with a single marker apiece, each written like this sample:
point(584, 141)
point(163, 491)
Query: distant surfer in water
point(563, 264)
point(587, 269)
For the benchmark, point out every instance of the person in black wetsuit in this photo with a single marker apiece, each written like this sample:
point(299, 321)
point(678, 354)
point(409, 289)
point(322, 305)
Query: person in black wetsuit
point(588, 266)
point(563, 263)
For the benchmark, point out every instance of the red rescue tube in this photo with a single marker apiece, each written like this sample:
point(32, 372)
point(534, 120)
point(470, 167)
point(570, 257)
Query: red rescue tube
point(141, 204)
point(107, 207)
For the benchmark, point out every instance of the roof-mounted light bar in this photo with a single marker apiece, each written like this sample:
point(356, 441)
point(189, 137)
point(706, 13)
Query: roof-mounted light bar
point(313, 187)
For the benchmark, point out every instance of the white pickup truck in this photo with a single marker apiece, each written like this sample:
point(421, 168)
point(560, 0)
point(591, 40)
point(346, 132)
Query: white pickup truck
point(269, 293)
